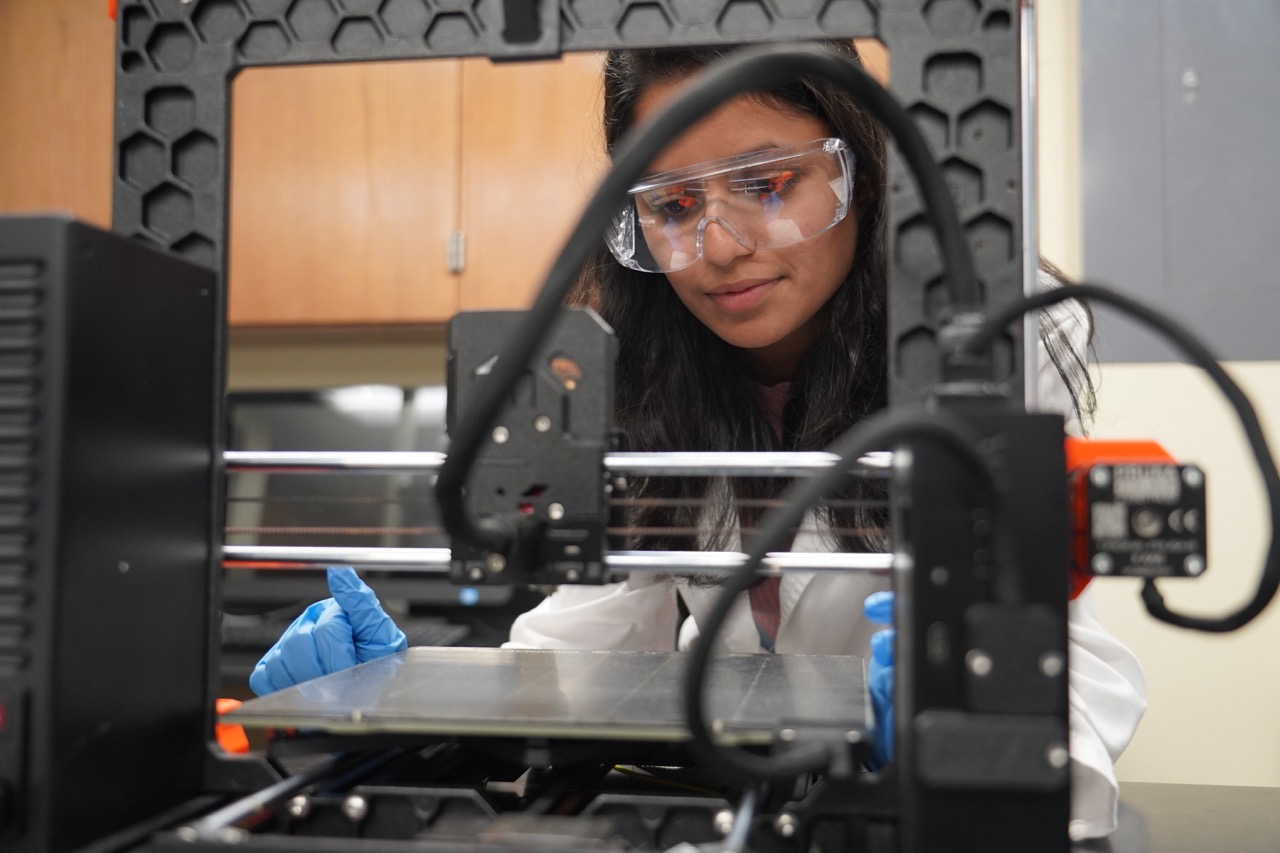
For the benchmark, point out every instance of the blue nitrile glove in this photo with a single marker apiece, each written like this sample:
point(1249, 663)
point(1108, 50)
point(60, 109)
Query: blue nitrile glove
point(879, 608)
point(330, 635)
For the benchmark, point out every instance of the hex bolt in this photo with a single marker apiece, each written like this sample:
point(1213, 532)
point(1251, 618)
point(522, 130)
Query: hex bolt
point(980, 663)
point(555, 512)
point(1194, 564)
point(1102, 564)
point(500, 435)
point(722, 823)
point(495, 563)
point(542, 423)
point(356, 808)
point(1100, 476)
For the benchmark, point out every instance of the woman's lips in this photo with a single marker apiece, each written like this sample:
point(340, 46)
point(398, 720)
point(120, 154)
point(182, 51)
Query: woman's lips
point(741, 295)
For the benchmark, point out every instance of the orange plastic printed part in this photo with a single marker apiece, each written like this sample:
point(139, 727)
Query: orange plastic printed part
point(1082, 454)
point(230, 736)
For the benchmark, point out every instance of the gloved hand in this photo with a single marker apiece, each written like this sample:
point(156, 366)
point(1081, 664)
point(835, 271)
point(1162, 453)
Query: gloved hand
point(330, 635)
point(879, 608)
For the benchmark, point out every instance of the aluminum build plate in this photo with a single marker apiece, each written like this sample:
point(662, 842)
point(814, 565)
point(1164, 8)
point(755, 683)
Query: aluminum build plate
point(570, 694)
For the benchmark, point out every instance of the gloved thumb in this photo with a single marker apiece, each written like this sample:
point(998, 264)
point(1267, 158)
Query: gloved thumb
point(879, 607)
point(371, 627)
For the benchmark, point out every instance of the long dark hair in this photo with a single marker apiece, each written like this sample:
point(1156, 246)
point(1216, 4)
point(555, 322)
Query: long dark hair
point(680, 387)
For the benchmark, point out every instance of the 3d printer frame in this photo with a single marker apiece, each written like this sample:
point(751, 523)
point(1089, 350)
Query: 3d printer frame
point(957, 66)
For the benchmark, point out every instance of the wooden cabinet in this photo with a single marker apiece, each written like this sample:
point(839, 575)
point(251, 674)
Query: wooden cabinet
point(351, 183)
point(56, 80)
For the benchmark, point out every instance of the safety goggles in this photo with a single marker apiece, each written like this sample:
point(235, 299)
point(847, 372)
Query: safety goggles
point(764, 200)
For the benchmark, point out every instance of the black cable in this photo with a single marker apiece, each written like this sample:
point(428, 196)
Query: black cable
point(876, 432)
point(751, 69)
point(1203, 358)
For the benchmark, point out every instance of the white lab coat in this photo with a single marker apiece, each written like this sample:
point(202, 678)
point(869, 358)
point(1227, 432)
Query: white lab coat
point(822, 614)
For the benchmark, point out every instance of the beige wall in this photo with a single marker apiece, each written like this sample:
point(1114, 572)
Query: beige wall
point(1213, 699)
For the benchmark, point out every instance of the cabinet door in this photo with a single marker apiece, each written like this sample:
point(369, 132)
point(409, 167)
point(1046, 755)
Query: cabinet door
point(343, 194)
point(533, 152)
point(55, 108)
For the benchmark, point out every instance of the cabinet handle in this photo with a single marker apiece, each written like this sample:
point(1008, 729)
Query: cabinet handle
point(457, 251)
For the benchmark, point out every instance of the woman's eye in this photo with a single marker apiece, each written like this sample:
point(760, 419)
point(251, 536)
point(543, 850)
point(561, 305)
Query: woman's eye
point(673, 205)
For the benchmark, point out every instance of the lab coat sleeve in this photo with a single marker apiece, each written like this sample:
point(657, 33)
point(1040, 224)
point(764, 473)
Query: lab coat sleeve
point(1107, 694)
point(1107, 691)
point(638, 614)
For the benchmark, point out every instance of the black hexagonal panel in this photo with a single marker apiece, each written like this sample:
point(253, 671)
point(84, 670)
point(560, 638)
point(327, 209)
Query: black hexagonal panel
point(933, 127)
point(135, 26)
point(312, 20)
point(259, 9)
point(965, 182)
point(917, 248)
point(195, 159)
point(852, 15)
point(602, 14)
point(451, 32)
point(168, 210)
point(952, 17)
point(744, 19)
point(171, 47)
point(170, 110)
point(645, 23)
point(997, 24)
point(992, 240)
point(953, 76)
point(986, 129)
point(142, 161)
point(219, 21)
point(356, 37)
point(197, 249)
point(405, 18)
point(264, 41)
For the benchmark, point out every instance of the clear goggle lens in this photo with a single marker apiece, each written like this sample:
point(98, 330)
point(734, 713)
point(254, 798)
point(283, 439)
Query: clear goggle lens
point(766, 200)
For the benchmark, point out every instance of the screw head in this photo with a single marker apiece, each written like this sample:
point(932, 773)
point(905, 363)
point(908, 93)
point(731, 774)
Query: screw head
point(542, 423)
point(1194, 564)
point(1102, 564)
point(555, 512)
point(1100, 476)
point(495, 562)
point(500, 435)
point(1051, 664)
point(299, 807)
point(979, 662)
point(1192, 477)
point(723, 822)
point(356, 808)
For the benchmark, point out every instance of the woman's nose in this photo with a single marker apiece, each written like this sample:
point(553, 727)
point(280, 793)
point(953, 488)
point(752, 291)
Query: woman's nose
point(720, 242)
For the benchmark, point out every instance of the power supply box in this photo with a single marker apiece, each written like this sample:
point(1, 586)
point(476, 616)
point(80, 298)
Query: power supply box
point(110, 374)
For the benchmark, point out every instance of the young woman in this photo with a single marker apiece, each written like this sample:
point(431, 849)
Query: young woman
point(745, 280)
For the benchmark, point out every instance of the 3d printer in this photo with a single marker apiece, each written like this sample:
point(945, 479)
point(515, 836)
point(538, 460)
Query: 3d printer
point(978, 487)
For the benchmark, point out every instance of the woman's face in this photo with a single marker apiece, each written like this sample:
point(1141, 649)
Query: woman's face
point(768, 302)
